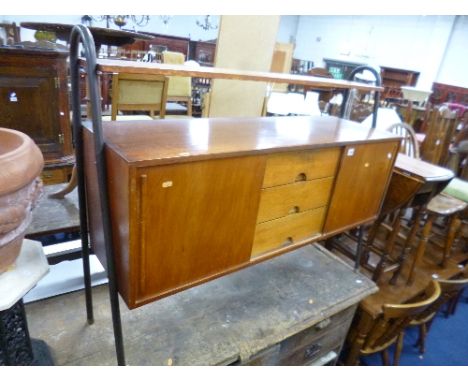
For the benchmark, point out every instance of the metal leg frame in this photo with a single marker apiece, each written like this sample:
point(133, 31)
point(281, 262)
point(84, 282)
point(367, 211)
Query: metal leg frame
point(378, 82)
point(82, 34)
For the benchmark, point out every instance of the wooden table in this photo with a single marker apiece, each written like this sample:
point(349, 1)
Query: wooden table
point(53, 216)
point(106, 36)
point(292, 310)
point(119, 66)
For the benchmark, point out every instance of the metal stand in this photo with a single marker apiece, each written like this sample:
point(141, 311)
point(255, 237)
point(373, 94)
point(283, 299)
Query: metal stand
point(378, 82)
point(80, 33)
point(16, 347)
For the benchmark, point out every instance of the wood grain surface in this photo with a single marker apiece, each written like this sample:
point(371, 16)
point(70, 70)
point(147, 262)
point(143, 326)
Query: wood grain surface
point(120, 66)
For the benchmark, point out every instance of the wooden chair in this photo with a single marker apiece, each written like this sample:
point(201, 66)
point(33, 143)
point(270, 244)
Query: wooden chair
point(130, 92)
point(409, 144)
point(450, 292)
point(136, 92)
point(388, 328)
point(392, 221)
point(180, 88)
point(325, 95)
point(440, 131)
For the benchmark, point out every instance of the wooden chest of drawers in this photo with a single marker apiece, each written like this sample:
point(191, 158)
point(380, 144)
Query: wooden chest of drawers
point(192, 200)
point(319, 344)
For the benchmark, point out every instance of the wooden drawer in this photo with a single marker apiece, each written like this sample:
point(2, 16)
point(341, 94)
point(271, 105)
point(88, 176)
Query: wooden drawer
point(311, 344)
point(287, 230)
point(318, 348)
point(290, 167)
point(308, 345)
point(276, 202)
point(55, 176)
point(308, 336)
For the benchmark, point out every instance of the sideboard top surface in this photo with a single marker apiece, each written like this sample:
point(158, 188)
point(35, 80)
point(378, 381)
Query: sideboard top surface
point(183, 140)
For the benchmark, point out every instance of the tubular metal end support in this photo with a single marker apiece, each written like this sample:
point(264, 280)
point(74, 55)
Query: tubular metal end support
point(81, 33)
point(378, 82)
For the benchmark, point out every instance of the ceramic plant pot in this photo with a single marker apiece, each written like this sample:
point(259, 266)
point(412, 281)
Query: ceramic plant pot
point(21, 162)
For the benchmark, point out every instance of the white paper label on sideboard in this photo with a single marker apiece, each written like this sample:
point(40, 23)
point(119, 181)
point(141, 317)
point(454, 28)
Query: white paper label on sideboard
point(351, 152)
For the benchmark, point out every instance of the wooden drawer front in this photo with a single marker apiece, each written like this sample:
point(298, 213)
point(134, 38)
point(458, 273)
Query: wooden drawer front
point(313, 343)
point(310, 344)
point(276, 202)
point(308, 336)
point(291, 167)
point(287, 230)
point(321, 345)
point(55, 176)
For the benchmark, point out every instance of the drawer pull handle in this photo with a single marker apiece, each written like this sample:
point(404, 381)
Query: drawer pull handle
point(294, 210)
point(301, 177)
point(312, 351)
point(323, 324)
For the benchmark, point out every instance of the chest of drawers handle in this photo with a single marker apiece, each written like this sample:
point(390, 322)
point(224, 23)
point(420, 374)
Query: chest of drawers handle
point(294, 210)
point(312, 351)
point(323, 324)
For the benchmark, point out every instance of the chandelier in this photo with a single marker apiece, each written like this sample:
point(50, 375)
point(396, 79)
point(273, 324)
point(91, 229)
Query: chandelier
point(206, 24)
point(119, 20)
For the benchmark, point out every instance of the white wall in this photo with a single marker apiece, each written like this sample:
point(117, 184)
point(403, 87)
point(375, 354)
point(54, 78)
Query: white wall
point(407, 42)
point(287, 29)
point(183, 26)
point(454, 67)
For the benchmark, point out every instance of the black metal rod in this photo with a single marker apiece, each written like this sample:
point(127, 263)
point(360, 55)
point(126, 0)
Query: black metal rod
point(357, 262)
point(81, 33)
point(79, 163)
point(378, 82)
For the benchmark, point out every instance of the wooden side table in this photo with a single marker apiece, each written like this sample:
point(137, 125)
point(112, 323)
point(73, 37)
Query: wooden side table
point(16, 347)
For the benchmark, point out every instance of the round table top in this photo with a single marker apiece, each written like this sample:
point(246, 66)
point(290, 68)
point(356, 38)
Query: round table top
point(107, 36)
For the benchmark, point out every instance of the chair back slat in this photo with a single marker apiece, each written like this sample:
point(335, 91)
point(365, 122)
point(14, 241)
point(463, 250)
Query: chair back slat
point(409, 144)
point(440, 131)
point(396, 318)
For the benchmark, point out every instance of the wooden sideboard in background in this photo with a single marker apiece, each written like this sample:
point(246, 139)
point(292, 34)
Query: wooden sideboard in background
point(448, 93)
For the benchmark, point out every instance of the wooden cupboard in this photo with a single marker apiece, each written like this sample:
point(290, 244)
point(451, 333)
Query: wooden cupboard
point(34, 100)
point(192, 200)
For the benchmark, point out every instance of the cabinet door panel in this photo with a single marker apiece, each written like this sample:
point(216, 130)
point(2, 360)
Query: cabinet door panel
point(196, 220)
point(29, 105)
point(360, 185)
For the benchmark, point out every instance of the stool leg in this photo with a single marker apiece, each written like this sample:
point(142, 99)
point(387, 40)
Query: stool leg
point(422, 338)
point(399, 348)
point(408, 243)
point(370, 240)
point(453, 229)
point(421, 249)
point(389, 245)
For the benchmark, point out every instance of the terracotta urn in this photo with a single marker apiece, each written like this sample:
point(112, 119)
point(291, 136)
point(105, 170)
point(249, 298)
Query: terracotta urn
point(21, 162)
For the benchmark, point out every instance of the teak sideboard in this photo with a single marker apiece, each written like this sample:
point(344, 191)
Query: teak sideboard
point(194, 199)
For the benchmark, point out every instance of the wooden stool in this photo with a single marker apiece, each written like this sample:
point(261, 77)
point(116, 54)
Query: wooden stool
point(440, 206)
